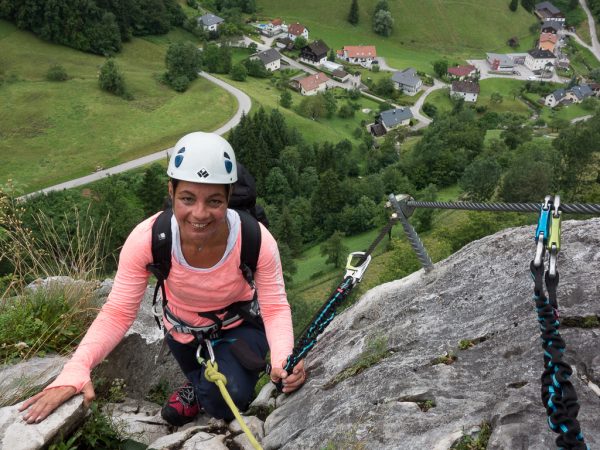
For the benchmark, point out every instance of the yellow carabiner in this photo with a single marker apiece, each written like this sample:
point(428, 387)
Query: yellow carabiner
point(554, 239)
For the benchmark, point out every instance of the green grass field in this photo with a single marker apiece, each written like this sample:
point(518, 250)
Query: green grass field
point(55, 131)
point(507, 88)
point(424, 31)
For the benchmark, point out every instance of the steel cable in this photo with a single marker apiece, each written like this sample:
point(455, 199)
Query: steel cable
point(576, 208)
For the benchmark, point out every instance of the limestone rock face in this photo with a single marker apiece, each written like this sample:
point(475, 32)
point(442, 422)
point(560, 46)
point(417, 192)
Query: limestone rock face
point(16, 434)
point(482, 295)
point(136, 359)
point(19, 380)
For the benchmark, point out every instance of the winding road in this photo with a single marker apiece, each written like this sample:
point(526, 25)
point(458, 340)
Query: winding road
point(595, 47)
point(244, 104)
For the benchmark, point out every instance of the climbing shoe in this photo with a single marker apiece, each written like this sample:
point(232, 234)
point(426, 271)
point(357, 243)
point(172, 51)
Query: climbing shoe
point(182, 407)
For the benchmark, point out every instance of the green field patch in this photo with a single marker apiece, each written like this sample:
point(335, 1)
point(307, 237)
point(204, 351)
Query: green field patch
point(64, 130)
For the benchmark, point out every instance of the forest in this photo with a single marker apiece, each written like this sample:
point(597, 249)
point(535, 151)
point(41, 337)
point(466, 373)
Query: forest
point(311, 191)
point(95, 26)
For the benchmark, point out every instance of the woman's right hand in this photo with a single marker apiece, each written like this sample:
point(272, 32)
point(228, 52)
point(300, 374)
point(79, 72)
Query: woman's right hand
point(41, 405)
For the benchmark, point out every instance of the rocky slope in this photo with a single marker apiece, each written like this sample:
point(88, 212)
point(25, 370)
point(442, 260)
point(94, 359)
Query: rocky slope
point(378, 378)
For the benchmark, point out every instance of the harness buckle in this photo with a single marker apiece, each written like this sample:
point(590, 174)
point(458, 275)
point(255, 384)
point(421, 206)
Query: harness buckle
point(357, 272)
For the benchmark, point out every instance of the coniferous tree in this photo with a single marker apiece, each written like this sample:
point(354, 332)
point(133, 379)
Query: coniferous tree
point(335, 250)
point(514, 4)
point(528, 4)
point(285, 99)
point(353, 14)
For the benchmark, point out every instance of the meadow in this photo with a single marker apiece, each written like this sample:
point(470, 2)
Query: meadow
point(424, 30)
point(56, 131)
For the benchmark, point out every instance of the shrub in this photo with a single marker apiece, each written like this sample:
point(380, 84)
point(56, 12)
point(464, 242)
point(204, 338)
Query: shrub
point(112, 80)
point(57, 73)
point(180, 83)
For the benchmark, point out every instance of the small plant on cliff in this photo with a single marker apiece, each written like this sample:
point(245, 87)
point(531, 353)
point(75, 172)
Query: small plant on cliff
point(448, 358)
point(479, 442)
point(377, 349)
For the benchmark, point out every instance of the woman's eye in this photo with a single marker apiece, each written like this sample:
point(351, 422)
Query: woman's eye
point(187, 199)
point(215, 203)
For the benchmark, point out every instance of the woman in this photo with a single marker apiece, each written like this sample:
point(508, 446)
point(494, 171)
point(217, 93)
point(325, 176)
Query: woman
point(205, 276)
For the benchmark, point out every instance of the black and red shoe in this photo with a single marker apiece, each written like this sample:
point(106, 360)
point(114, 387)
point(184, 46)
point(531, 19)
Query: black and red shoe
point(182, 407)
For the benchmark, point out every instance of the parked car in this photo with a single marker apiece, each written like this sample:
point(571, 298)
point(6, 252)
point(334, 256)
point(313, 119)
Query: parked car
point(532, 77)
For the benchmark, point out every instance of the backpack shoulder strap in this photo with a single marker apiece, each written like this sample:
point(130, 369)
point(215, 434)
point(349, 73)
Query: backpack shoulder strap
point(251, 240)
point(161, 246)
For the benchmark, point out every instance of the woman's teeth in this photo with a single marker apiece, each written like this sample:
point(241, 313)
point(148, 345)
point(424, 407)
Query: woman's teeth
point(199, 226)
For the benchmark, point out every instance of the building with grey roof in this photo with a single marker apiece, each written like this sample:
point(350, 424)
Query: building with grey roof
point(407, 81)
point(396, 117)
point(210, 22)
point(270, 58)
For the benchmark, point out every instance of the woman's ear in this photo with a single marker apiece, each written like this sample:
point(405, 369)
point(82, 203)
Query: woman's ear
point(171, 190)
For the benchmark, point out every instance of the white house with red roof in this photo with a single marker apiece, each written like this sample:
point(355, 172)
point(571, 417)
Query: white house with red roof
point(297, 29)
point(313, 84)
point(358, 54)
point(462, 72)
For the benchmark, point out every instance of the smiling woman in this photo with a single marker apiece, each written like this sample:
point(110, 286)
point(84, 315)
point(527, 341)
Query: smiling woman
point(72, 127)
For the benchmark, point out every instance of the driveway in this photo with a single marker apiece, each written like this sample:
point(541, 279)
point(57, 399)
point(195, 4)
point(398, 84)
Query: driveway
point(244, 105)
point(595, 48)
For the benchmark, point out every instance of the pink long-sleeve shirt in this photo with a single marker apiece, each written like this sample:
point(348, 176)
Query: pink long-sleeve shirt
point(189, 291)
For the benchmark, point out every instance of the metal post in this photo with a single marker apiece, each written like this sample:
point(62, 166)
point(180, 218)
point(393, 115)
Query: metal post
point(404, 211)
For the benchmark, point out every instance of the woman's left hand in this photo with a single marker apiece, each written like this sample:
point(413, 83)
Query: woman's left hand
point(291, 381)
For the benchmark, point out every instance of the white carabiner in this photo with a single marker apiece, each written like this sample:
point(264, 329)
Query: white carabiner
point(357, 272)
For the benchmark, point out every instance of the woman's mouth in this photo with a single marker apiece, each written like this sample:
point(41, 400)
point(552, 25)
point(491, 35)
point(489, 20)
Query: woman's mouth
point(198, 226)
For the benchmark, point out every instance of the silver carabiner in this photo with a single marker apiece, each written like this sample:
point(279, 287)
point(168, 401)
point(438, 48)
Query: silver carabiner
point(552, 262)
point(539, 252)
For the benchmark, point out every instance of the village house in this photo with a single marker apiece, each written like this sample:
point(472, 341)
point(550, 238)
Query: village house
point(358, 54)
point(468, 90)
point(312, 84)
point(407, 81)
point(500, 62)
point(576, 94)
point(295, 30)
point(391, 119)
point(273, 28)
point(314, 53)
point(546, 11)
point(210, 22)
point(547, 41)
point(462, 72)
point(595, 87)
point(270, 58)
point(551, 26)
point(538, 59)
point(284, 43)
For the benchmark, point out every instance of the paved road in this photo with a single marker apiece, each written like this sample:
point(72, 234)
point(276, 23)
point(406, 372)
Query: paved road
point(595, 44)
point(244, 104)
point(416, 108)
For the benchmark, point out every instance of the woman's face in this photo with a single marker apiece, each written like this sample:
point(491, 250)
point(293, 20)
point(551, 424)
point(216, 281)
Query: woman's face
point(200, 210)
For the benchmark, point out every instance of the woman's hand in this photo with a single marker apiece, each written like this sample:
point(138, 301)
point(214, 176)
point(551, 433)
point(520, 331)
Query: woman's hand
point(40, 406)
point(292, 381)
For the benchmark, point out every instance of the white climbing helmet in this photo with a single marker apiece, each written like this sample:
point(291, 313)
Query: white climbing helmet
point(203, 158)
